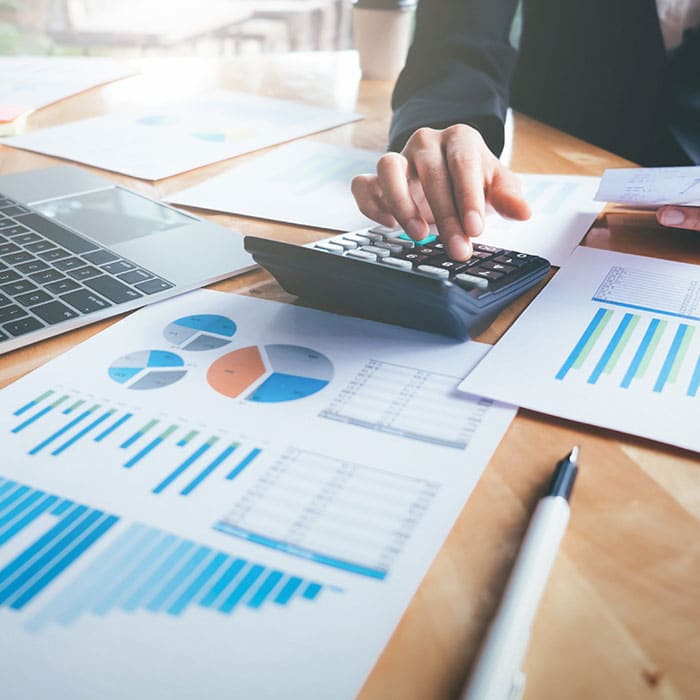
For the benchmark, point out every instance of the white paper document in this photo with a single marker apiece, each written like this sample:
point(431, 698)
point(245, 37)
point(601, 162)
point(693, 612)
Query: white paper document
point(227, 497)
point(165, 141)
point(614, 341)
point(562, 212)
point(651, 187)
point(305, 183)
point(36, 81)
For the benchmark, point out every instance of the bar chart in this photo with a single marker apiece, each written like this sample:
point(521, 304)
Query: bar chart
point(149, 570)
point(181, 458)
point(649, 352)
point(344, 515)
point(56, 532)
point(408, 402)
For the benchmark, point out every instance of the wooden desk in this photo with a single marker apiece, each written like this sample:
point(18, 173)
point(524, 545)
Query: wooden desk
point(621, 615)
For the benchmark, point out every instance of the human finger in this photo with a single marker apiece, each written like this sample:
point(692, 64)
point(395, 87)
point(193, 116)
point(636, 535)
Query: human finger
point(679, 217)
point(367, 193)
point(505, 194)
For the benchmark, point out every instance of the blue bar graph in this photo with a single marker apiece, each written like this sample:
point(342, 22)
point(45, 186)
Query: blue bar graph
point(184, 466)
point(82, 433)
point(76, 529)
point(665, 372)
point(640, 354)
point(31, 404)
point(244, 463)
point(582, 343)
point(610, 349)
point(62, 431)
point(146, 569)
point(695, 381)
point(209, 469)
point(117, 424)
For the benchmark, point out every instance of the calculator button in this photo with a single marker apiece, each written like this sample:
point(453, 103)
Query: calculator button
point(330, 247)
point(480, 255)
point(488, 274)
point(374, 237)
point(347, 245)
point(471, 281)
point(386, 230)
point(397, 262)
point(379, 252)
point(433, 271)
point(487, 249)
point(415, 258)
point(361, 255)
point(517, 261)
point(499, 267)
point(391, 247)
point(359, 239)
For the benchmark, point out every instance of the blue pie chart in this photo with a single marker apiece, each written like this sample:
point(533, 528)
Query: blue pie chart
point(200, 332)
point(147, 369)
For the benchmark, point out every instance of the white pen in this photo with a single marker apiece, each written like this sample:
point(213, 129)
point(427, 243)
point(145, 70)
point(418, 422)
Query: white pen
point(497, 673)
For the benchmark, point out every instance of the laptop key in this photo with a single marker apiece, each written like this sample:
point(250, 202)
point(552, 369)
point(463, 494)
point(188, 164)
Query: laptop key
point(33, 266)
point(7, 248)
point(64, 285)
point(3, 336)
point(14, 211)
point(16, 288)
point(4, 300)
point(46, 276)
point(25, 238)
point(85, 301)
point(25, 325)
point(16, 258)
point(40, 247)
point(68, 264)
point(11, 313)
point(8, 276)
point(33, 298)
point(9, 228)
point(113, 289)
point(134, 276)
point(84, 273)
point(153, 286)
point(118, 266)
point(54, 312)
point(100, 257)
point(58, 234)
point(53, 254)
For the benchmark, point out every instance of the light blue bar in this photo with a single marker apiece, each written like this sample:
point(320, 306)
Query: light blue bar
point(244, 463)
point(157, 576)
point(241, 589)
point(187, 463)
point(60, 432)
point(288, 590)
point(113, 427)
point(648, 308)
point(670, 358)
point(131, 440)
point(90, 586)
point(13, 496)
point(610, 349)
point(62, 507)
point(29, 421)
point(109, 595)
point(302, 552)
point(25, 566)
point(265, 588)
point(104, 523)
point(5, 486)
point(578, 348)
point(81, 433)
point(178, 579)
point(209, 597)
point(186, 597)
point(639, 355)
point(24, 408)
point(20, 523)
point(311, 591)
point(695, 381)
point(208, 470)
point(140, 455)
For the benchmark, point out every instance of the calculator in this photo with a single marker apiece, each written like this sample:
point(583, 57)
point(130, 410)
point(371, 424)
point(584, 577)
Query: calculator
point(383, 275)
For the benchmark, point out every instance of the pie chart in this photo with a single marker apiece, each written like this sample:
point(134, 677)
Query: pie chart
point(270, 373)
point(200, 332)
point(147, 369)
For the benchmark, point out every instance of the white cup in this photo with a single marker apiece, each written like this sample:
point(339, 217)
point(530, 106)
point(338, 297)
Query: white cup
point(382, 38)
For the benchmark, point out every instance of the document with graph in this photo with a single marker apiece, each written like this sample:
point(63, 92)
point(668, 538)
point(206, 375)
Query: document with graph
point(613, 341)
point(225, 497)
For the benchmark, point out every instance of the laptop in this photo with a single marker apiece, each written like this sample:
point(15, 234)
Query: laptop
point(76, 248)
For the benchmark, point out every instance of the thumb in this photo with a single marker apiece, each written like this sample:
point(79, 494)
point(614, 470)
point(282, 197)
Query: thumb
point(679, 217)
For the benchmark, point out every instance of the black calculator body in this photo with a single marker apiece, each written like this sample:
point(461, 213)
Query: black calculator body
point(382, 275)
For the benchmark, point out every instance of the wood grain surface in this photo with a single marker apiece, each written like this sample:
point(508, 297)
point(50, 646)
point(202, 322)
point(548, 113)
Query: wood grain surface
point(621, 615)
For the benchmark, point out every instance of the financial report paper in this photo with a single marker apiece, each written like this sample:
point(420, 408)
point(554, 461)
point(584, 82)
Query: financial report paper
point(227, 497)
point(612, 341)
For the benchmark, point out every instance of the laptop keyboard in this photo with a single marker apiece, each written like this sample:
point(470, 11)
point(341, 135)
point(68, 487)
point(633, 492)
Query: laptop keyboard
point(49, 274)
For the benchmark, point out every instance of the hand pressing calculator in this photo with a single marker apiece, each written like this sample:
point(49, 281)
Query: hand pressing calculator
point(381, 274)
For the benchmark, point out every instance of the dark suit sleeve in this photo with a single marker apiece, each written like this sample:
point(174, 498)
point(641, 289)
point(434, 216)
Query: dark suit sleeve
point(457, 71)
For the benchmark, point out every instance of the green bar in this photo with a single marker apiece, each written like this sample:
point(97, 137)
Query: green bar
point(59, 401)
point(148, 426)
point(79, 402)
point(621, 345)
point(45, 395)
point(168, 432)
point(593, 339)
point(188, 437)
point(651, 350)
point(212, 440)
point(681, 354)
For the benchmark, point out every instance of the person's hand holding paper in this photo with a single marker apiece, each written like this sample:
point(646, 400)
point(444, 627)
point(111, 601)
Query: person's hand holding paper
point(679, 217)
